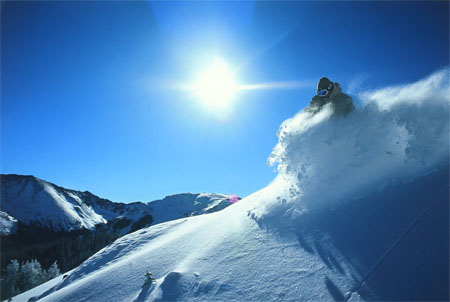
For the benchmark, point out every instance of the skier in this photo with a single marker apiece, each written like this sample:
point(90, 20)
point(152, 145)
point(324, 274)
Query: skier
point(330, 92)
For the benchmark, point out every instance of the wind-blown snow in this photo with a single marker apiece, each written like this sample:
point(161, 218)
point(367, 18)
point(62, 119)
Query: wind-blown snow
point(359, 211)
point(399, 133)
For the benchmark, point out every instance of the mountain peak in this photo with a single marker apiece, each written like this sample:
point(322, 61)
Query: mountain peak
point(32, 200)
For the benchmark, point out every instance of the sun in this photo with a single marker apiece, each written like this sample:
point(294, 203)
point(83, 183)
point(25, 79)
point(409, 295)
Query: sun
point(216, 86)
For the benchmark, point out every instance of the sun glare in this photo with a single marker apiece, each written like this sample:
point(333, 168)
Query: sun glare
point(216, 86)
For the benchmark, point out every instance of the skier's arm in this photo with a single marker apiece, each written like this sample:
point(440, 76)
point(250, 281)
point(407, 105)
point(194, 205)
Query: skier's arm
point(348, 101)
point(314, 105)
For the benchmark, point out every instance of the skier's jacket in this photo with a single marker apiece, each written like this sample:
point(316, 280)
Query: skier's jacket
point(341, 103)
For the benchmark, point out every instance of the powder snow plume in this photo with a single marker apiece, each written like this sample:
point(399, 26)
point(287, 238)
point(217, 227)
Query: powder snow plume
point(398, 134)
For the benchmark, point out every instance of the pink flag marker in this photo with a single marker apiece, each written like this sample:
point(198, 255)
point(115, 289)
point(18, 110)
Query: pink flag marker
point(233, 198)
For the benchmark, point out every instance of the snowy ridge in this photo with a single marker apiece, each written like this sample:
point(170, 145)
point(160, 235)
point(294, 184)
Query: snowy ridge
point(31, 200)
point(187, 204)
point(359, 211)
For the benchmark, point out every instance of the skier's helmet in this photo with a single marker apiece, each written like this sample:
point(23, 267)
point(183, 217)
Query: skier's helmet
point(324, 87)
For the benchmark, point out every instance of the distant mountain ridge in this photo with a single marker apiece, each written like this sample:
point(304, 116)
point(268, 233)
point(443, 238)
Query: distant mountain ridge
point(31, 200)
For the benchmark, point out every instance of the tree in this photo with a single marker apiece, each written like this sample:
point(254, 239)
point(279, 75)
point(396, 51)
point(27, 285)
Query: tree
point(53, 271)
point(141, 223)
point(17, 278)
point(10, 279)
point(31, 275)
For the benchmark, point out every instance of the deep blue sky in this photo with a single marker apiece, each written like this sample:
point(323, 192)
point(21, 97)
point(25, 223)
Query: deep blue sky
point(85, 100)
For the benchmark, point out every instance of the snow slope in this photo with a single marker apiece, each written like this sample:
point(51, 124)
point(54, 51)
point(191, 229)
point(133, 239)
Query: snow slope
point(25, 296)
point(31, 200)
point(358, 211)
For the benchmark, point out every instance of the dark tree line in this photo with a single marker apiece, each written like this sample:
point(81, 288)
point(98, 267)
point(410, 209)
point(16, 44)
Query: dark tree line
point(69, 249)
point(141, 223)
point(46, 247)
point(19, 277)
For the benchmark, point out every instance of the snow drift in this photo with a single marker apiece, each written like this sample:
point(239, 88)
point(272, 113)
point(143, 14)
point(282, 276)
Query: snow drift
point(359, 211)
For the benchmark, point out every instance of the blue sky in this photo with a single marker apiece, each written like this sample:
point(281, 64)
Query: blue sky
point(87, 88)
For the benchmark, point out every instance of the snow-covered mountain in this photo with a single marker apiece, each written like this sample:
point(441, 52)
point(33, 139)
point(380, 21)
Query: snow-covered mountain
point(359, 211)
point(188, 204)
point(31, 200)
